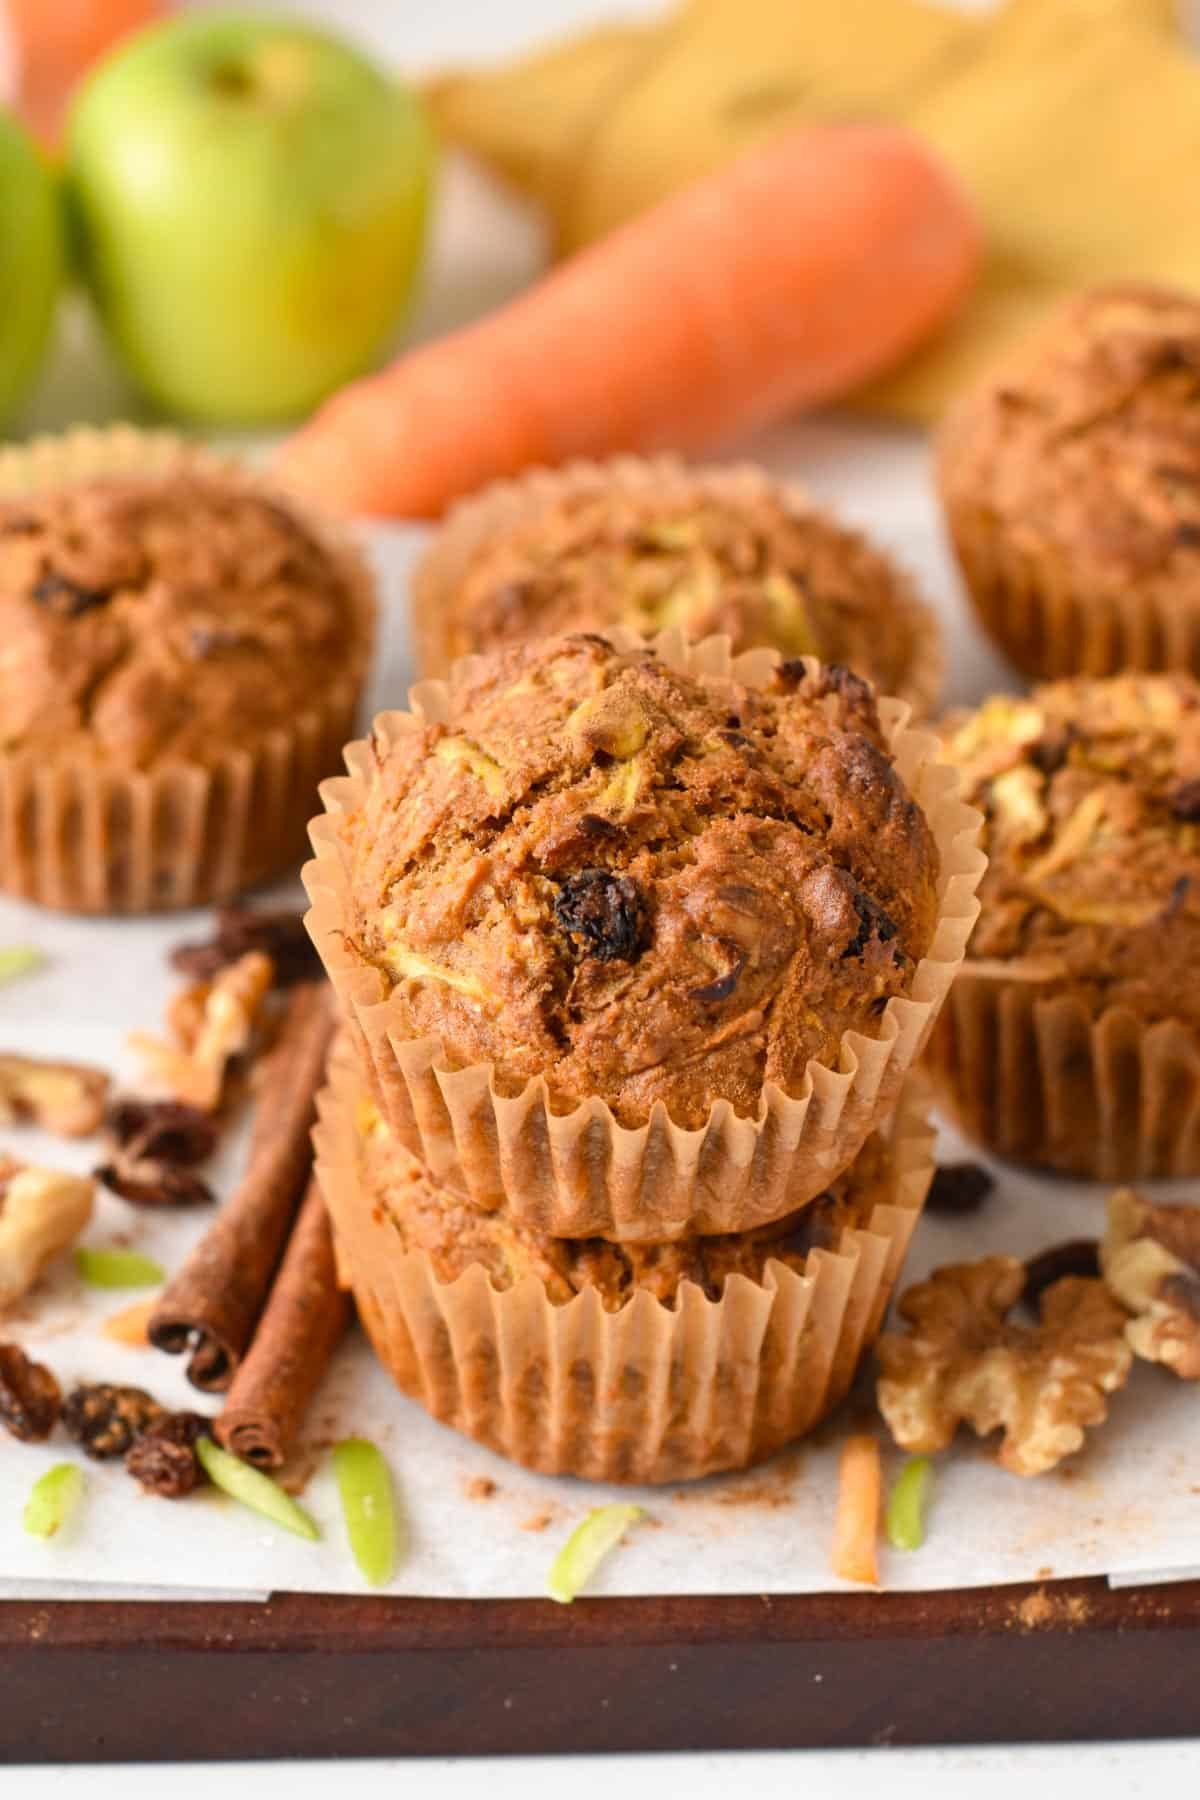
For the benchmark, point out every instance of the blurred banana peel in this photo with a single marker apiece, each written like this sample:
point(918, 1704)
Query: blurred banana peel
point(1075, 124)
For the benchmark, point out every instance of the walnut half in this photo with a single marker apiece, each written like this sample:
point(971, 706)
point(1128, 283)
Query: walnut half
point(67, 1098)
point(964, 1362)
point(41, 1212)
point(1150, 1258)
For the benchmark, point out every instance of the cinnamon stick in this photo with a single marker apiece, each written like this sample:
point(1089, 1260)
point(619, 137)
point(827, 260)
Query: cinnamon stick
point(300, 1328)
point(212, 1305)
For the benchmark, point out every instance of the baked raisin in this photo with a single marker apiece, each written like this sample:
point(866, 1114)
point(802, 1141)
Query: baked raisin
point(1080, 1256)
point(960, 1187)
point(604, 914)
point(873, 922)
point(59, 594)
point(162, 1130)
point(279, 935)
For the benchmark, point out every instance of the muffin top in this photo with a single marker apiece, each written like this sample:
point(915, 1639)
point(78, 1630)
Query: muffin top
point(454, 1235)
point(1091, 796)
point(640, 884)
point(750, 569)
point(161, 617)
point(1089, 440)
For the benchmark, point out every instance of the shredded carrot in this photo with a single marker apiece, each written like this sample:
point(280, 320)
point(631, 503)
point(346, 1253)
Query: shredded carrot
point(130, 1325)
point(814, 261)
point(856, 1527)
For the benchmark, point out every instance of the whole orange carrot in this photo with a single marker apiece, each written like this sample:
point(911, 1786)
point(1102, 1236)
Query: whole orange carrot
point(811, 263)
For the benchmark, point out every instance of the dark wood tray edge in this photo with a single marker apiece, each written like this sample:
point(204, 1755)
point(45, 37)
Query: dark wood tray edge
point(334, 1675)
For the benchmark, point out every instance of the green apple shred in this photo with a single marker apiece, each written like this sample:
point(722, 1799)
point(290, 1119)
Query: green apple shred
point(368, 1505)
point(52, 1499)
point(19, 959)
point(907, 1504)
point(586, 1548)
point(253, 1489)
point(118, 1268)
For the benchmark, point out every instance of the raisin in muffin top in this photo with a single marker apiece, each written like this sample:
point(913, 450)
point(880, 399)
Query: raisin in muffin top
point(639, 884)
point(751, 569)
point(162, 617)
point(1086, 444)
point(1091, 795)
point(455, 1235)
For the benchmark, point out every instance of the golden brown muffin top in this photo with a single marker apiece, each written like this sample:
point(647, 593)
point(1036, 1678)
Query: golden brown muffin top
point(1089, 439)
point(161, 617)
point(640, 884)
point(751, 570)
point(454, 1235)
point(1091, 797)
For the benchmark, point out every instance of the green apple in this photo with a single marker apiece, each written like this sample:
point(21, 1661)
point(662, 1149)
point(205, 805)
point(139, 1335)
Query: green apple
point(31, 261)
point(250, 196)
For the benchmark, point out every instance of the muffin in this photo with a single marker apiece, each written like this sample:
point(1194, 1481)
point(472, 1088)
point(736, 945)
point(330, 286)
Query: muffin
point(1071, 486)
point(183, 658)
point(651, 546)
point(615, 1362)
point(1072, 1036)
point(599, 916)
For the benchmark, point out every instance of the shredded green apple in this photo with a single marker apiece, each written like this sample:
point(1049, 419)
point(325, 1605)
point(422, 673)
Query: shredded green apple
point(253, 1489)
point(586, 1548)
point(907, 1503)
point(19, 959)
point(365, 1486)
point(118, 1268)
point(52, 1499)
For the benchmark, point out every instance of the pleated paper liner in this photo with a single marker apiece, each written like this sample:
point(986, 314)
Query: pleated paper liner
point(498, 508)
point(580, 1173)
point(649, 1393)
point(1039, 1078)
point(1030, 605)
point(82, 836)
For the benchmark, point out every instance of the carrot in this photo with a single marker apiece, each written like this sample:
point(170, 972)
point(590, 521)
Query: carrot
point(129, 1325)
point(856, 1526)
point(809, 264)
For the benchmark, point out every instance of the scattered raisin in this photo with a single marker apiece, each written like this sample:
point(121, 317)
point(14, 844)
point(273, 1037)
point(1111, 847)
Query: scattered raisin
point(1184, 801)
point(30, 1398)
point(239, 930)
point(1080, 1256)
point(163, 1459)
point(873, 922)
point(59, 594)
point(105, 1419)
point(1187, 534)
point(960, 1187)
point(606, 913)
point(166, 1130)
point(150, 1181)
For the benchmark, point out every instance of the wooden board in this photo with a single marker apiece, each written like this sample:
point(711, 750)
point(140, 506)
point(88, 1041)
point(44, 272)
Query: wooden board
point(336, 1676)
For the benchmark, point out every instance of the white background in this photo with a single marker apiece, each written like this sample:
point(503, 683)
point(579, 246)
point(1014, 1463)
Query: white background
point(485, 248)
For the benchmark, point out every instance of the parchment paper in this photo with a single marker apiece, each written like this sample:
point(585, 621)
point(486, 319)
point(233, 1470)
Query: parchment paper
point(1128, 1507)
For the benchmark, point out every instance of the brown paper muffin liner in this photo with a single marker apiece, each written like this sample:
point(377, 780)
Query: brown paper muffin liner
point(1041, 1079)
point(646, 1394)
point(84, 837)
point(1029, 605)
point(580, 1173)
point(506, 503)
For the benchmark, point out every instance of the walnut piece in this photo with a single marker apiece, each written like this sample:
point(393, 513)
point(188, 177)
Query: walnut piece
point(964, 1362)
point(1150, 1258)
point(41, 1213)
point(210, 1024)
point(66, 1098)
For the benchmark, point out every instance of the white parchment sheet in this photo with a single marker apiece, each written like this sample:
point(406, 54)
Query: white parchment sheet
point(1128, 1507)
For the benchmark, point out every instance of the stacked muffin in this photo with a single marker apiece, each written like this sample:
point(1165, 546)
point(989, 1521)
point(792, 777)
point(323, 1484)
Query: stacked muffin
point(1071, 483)
point(635, 947)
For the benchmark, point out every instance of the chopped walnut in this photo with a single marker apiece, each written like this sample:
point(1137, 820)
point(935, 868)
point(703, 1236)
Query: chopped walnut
point(41, 1212)
point(1150, 1258)
point(67, 1098)
point(964, 1362)
point(210, 1024)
